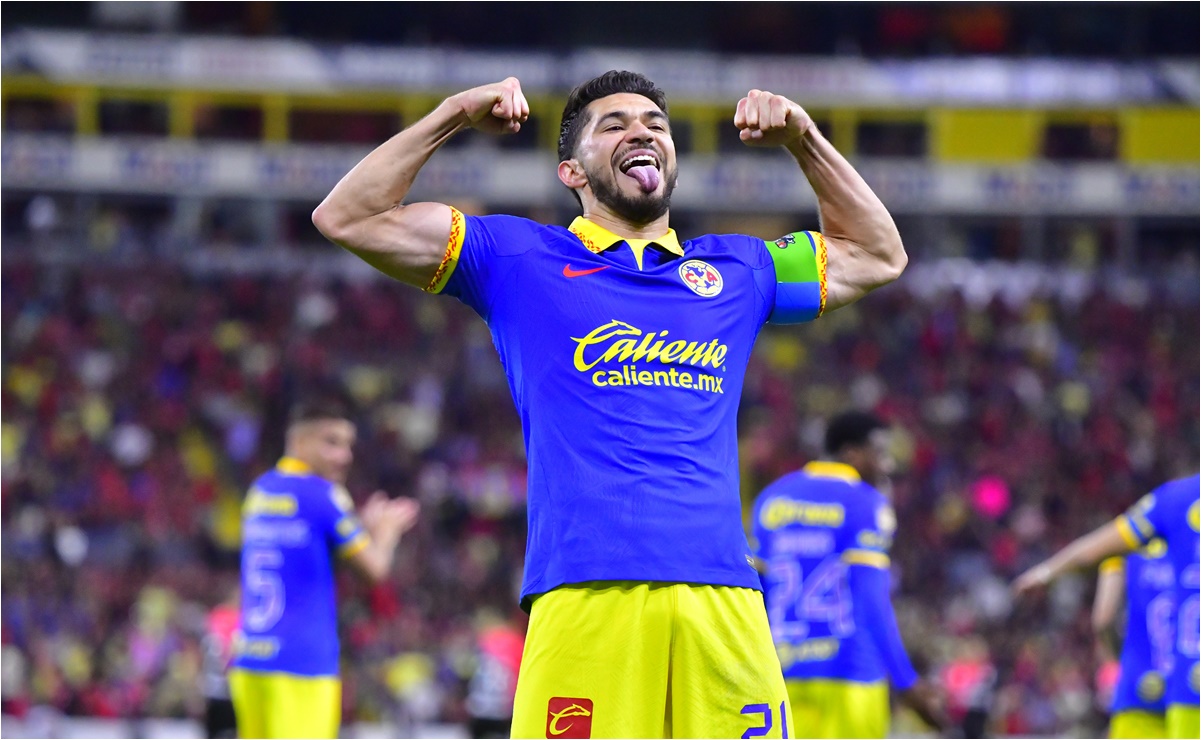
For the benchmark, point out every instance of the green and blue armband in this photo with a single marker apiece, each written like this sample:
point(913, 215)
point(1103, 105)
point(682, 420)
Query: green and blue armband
point(800, 260)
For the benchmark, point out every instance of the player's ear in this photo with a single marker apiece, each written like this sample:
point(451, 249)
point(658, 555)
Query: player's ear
point(571, 174)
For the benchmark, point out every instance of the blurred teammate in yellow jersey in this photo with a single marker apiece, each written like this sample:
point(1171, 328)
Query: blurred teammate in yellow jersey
point(285, 678)
point(824, 533)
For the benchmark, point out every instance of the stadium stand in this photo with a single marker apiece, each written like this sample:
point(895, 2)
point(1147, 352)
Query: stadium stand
point(161, 308)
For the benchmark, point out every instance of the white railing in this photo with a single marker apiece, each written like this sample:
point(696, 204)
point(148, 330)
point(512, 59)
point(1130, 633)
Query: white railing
point(297, 66)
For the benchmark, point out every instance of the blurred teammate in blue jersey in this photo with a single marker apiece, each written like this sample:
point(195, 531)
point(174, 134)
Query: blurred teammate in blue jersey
point(823, 533)
point(1144, 580)
point(296, 520)
point(625, 349)
point(1171, 513)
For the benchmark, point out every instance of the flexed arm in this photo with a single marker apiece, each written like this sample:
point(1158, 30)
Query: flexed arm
point(865, 250)
point(364, 213)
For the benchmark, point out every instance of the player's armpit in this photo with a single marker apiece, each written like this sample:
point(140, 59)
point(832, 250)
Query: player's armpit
point(409, 243)
point(853, 271)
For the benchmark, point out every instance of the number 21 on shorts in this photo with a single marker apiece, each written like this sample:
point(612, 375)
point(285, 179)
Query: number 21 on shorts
point(763, 729)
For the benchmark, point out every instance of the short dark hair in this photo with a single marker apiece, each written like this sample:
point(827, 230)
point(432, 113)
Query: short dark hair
point(851, 429)
point(610, 83)
point(316, 409)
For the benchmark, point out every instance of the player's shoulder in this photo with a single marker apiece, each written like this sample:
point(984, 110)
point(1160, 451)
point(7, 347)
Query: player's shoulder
point(1176, 501)
point(1183, 490)
point(515, 234)
point(864, 498)
point(750, 250)
point(307, 486)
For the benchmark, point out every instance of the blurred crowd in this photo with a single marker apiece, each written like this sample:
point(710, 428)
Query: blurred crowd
point(138, 404)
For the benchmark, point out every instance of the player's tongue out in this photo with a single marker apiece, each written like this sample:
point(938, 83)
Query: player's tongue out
point(646, 175)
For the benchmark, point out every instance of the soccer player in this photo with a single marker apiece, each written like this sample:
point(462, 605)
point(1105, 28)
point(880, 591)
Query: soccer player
point(625, 350)
point(1145, 578)
point(824, 533)
point(285, 681)
point(1169, 512)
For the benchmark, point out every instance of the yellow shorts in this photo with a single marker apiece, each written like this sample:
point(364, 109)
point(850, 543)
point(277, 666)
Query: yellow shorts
point(650, 660)
point(1183, 720)
point(271, 705)
point(824, 708)
point(1136, 723)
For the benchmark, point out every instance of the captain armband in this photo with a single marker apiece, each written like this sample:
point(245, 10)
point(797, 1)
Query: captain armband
point(800, 260)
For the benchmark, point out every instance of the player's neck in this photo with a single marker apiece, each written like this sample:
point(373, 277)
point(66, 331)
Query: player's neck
point(601, 216)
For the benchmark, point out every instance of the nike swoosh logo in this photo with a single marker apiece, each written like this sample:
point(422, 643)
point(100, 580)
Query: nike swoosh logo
point(568, 272)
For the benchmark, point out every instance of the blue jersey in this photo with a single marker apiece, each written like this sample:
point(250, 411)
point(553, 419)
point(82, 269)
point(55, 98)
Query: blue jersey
point(293, 522)
point(625, 359)
point(1147, 645)
point(1171, 512)
point(824, 535)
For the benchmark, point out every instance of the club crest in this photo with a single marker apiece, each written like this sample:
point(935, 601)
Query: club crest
point(702, 277)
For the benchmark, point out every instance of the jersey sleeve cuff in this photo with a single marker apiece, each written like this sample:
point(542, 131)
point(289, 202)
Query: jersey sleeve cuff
point(1129, 535)
point(450, 258)
point(357, 544)
point(868, 558)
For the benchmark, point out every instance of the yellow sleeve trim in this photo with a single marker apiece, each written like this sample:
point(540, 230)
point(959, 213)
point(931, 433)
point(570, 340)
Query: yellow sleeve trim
point(866, 557)
point(822, 262)
point(355, 546)
point(1113, 565)
point(1128, 534)
point(450, 258)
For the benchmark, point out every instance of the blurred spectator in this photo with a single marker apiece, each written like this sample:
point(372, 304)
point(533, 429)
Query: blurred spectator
point(222, 623)
point(499, 645)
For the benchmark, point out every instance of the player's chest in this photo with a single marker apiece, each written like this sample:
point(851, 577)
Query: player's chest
point(582, 291)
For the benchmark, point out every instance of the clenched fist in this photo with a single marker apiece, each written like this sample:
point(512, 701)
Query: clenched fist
point(764, 119)
point(499, 108)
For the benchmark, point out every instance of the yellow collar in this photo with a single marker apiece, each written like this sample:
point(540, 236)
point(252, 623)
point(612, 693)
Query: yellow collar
point(292, 466)
point(597, 239)
point(829, 469)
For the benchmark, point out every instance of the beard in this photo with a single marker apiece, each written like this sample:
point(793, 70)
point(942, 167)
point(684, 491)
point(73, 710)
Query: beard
point(638, 210)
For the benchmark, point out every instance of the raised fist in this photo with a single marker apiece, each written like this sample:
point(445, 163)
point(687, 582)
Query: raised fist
point(499, 108)
point(764, 119)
